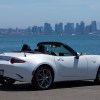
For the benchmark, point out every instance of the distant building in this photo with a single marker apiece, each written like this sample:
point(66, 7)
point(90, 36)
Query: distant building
point(59, 28)
point(10, 30)
point(69, 28)
point(29, 30)
point(40, 30)
point(77, 29)
point(35, 29)
point(88, 29)
point(47, 28)
point(93, 26)
point(82, 27)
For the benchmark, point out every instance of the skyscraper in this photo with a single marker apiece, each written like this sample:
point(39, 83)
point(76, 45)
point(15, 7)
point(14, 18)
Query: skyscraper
point(69, 28)
point(93, 26)
point(29, 30)
point(82, 27)
point(35, 29)
point(88, 29)
point(47, 28)
point(40, 30)
point(77, 29)
point(59, 28)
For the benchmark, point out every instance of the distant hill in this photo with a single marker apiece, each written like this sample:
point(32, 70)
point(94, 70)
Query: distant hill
point(98, 25)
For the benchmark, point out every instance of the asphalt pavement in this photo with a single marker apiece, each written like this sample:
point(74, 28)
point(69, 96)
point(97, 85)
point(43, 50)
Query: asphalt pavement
point(77, 90)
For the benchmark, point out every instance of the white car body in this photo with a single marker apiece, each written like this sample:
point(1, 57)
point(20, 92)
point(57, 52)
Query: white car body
point(65, 68)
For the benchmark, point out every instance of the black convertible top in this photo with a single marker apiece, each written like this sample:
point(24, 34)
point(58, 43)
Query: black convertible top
point(42, 43)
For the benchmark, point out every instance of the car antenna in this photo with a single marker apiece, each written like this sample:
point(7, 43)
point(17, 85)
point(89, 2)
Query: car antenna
point(23, 51)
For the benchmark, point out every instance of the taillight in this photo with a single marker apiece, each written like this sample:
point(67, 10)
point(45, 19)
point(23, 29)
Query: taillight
point(15, 60)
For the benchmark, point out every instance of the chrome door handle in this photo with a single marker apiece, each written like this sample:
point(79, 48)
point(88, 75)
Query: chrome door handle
point(60, 59)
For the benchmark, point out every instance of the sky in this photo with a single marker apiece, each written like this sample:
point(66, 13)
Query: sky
point(24, 13)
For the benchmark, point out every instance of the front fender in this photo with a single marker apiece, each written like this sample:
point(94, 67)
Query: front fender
point(93, 65)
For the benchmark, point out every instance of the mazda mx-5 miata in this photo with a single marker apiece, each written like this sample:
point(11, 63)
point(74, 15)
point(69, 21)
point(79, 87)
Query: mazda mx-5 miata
point(50, 62)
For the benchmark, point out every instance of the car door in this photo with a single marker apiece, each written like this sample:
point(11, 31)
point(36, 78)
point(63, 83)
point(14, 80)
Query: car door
point(69, 66)
point(67, 61)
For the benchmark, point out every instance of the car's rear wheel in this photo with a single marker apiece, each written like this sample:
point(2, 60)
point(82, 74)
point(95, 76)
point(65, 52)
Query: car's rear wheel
point(7, 81)
point(97, 80)
point(43, 78)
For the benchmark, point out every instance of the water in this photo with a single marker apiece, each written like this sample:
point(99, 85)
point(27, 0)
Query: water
point(81, 43)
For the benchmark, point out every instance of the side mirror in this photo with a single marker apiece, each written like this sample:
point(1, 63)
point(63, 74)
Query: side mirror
point(77, 56)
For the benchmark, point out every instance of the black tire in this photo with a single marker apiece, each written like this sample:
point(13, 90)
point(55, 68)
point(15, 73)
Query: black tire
point(97, 80)
point(43, 78)
point(7, 81)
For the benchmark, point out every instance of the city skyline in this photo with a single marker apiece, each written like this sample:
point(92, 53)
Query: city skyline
point(24, 13)
point(53, 25)
point(59, 28)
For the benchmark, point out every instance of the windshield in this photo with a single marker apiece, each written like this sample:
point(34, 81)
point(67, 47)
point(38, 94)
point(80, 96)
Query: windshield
point(57, 50)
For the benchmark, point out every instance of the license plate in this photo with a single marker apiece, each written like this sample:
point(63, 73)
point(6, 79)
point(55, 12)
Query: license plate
point(1, 72)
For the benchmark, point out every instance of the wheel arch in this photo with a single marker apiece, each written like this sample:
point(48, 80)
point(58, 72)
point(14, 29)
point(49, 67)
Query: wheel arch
point(44, 65)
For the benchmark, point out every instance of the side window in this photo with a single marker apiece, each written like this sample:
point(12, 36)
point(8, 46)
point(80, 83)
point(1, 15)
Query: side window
point(64, 52)
point(58, 50)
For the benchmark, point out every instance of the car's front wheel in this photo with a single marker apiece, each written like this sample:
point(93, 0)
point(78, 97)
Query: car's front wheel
point(43, 78)
point(7, 81)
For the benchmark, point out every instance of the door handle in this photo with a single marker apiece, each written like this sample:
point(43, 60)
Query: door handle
point(60, 59)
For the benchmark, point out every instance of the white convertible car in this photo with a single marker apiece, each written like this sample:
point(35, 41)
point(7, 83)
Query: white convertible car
point(50, 62)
